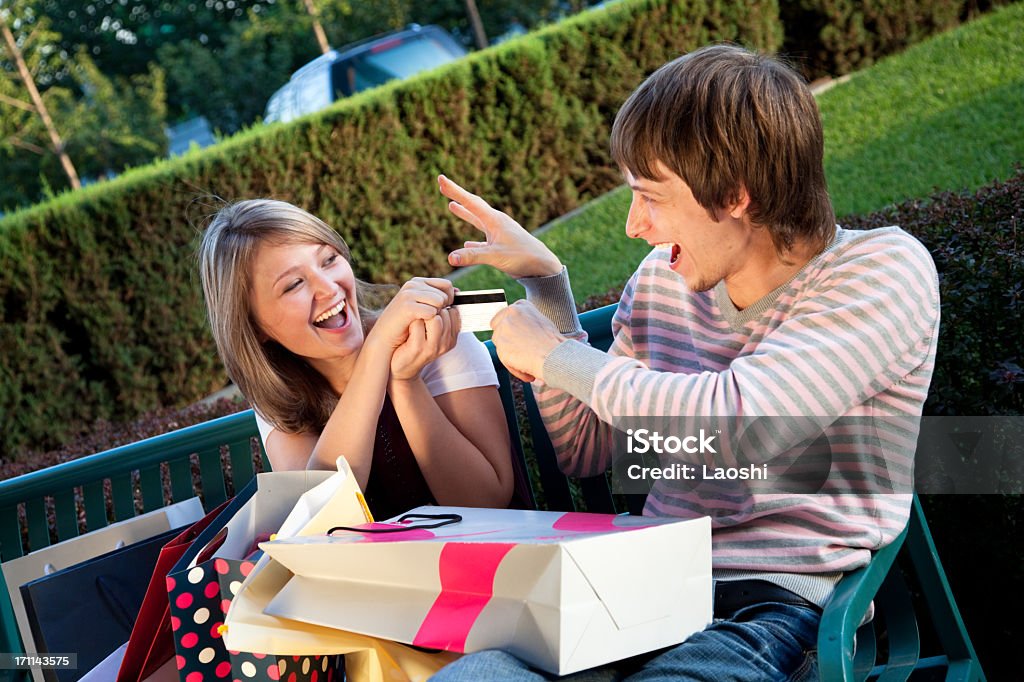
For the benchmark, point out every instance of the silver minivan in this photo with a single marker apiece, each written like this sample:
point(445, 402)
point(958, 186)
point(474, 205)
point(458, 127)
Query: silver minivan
point(360, 66)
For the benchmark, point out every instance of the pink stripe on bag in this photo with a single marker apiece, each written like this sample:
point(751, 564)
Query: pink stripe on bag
point(467, 583)
point(582, 522)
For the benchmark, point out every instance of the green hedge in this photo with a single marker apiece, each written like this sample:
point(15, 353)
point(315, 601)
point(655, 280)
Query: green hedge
point(100, 306)
point(836, 37)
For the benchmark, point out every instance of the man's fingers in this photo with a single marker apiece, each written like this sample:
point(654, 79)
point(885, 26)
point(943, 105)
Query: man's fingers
point(463, 213)
point(475, 255)
point(522, 376)
point(500, 316)
point(455, 192)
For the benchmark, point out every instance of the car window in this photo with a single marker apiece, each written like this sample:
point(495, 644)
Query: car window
point(394, 59)
point(317, 85)
point(411, 57)
point(313, 90)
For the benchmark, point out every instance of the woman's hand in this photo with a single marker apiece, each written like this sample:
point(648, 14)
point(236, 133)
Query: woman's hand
point(427, 340)
point(420, 299)
point(509, 247)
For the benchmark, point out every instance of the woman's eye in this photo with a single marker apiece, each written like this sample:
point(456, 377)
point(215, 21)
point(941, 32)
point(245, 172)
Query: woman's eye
point(330, 260)
point(294, 285)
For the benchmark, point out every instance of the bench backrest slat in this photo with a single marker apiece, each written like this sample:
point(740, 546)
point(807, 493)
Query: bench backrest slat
point(66, 514)
point(121, 490)
point(152, 488)
point(557, 494)
point(181, 479)
point(240, 456)
point(10, 533)
point(95, 506)
point(212, 474)
point(38, 522)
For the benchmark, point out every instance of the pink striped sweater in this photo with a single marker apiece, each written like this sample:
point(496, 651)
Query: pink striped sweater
point(853, 334)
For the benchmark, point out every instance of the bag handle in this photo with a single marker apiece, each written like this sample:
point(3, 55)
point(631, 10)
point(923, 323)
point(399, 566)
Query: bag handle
point(439, 521)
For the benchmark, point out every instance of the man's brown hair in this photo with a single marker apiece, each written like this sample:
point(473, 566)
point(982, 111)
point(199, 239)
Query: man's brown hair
point(725, 119)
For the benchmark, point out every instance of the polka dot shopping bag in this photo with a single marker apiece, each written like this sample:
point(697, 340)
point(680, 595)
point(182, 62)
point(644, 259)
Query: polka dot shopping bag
point(202, 584)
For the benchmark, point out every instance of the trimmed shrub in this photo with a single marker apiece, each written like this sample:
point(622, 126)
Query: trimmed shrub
point(978, 247)
point(836, 37)
point(100, 305)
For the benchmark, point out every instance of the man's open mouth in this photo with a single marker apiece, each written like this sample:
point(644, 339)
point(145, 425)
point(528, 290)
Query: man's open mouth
point(332, 318)
point(673, 249)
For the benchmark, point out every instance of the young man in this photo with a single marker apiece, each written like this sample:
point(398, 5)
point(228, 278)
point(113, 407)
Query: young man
point(755, 305)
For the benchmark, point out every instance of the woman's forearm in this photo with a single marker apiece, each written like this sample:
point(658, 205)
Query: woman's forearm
point(458, 470)
point(352, 428)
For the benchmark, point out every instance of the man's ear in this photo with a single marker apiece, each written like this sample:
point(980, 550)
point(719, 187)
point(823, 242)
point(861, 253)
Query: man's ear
point(739, 209)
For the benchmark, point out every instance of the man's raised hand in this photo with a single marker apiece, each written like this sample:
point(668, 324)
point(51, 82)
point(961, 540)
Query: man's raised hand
point(508, 247)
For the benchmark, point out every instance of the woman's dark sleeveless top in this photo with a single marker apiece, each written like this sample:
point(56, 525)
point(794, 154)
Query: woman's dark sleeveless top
point(396, 483)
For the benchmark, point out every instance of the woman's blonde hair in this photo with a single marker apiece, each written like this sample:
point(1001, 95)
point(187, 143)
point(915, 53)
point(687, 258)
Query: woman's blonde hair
point(283, 387)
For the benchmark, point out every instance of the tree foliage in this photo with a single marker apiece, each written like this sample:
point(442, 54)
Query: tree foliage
point(106, 123)
point(229, 80)
point(117, 71)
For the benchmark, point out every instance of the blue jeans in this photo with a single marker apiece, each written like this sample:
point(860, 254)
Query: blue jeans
point(768, 641)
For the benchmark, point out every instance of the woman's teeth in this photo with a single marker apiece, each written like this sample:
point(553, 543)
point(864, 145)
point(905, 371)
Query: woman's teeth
point(327, 314)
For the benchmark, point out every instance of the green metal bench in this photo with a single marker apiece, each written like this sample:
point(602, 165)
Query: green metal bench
point(222, 455)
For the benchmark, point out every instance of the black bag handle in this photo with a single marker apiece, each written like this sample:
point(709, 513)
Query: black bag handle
point(439, 521)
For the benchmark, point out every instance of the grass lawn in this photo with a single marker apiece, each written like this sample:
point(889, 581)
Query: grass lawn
point(947, 113)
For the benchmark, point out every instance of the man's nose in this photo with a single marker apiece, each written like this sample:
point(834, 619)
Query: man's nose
point(636, 221)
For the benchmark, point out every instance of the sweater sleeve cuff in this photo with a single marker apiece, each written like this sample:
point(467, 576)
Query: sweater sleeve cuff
point(573, 367)
point(553, 297)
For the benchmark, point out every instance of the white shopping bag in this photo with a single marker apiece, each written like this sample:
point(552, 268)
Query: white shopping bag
point(562, 591)
point(47, 560)
point(337, 500)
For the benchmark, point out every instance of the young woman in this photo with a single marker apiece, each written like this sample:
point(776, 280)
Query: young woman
point(409, 401)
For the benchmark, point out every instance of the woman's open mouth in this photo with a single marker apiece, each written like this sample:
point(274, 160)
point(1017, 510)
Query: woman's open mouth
point(334, 318)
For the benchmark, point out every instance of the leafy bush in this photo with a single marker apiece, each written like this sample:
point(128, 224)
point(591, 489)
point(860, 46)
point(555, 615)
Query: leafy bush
point(104, 435)
point(978, 247)
point(835, 37)
point(100, 305)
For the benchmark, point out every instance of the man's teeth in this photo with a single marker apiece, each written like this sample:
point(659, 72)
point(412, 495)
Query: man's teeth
point(664, 245)
point(330, 313)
